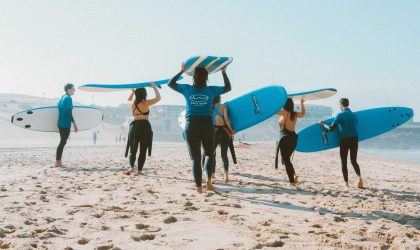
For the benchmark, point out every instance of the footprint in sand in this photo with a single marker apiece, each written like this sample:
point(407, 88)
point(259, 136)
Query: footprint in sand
point(82, 241)
point(142, 226)
point(143, 237)
point(170, 220)
point(106, 247)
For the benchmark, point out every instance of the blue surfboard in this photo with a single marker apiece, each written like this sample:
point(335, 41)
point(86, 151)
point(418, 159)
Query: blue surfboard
point(370, 123)
point(313, 94)
point(212, 63)
point(256, 106)
point(95, 87)
point(251, 108)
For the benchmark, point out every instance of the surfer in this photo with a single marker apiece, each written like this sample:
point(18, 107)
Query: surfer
point(288, 137)
point(65, 119)
point(140, 130)
point(199, 127)
point(223, 134)
point(346, 122)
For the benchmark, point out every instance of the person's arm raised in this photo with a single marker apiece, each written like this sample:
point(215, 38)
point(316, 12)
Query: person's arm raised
point(302, 109)
point(227, 87)
point(172, 83)
point(157, 96)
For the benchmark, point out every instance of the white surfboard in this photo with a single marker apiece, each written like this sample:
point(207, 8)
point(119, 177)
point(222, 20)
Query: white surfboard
point(45, 118)
point(181, 119)
point(313, 94)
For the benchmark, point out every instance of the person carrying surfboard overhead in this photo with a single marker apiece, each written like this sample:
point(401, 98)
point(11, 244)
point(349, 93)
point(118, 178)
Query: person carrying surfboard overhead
point(288, 137)
point(199, 125)
point(223, 134)
point(65, 119)
point(346, 122)
point(140, 130)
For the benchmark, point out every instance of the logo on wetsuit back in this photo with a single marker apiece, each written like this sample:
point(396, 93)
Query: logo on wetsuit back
point(199, 100)
point(257, 109)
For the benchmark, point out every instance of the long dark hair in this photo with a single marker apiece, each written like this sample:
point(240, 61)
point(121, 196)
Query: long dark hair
point(216, 100)
point(200, 77)
point(290, 107)
point(141, 95)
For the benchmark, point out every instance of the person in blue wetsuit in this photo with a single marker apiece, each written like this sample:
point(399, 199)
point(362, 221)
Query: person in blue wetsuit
point(65, 119)
point(223, 134)
point(346, 122)
point(199, 126)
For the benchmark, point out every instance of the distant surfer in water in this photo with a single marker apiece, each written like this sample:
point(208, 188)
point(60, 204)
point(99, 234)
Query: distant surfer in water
point(288, 137)
point(346, 122)
point(140, 130)
point(223, 134)
point(65, 119)
point(199, 126)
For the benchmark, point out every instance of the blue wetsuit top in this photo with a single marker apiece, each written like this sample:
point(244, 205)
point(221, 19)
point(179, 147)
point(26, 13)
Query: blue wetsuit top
point(346, 122)
point(216, 112)
point(65, 107)
point(199, 101)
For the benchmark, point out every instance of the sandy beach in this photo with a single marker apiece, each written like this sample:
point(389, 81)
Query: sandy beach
point(91, 204)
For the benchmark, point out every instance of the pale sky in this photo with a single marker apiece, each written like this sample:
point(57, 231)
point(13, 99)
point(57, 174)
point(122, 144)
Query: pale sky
point(368, 50)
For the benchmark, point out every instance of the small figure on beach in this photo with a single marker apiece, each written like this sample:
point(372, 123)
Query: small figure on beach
point(140, 131)
point(199, 126)
point(288, 137)
point(94, 136)
point(65, 119)
point(346, 122)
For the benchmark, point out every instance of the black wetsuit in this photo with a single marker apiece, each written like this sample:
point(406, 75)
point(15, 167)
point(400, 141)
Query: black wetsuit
point(199, 126)
point(64, 136)
point(286, 146)
point(140, 132)
point(222, 138)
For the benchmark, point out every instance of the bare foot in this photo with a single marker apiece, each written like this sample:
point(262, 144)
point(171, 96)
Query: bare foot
point(139, 173)
point(226, 177)
point(129, 171)
point(209, 186)
point(360, 183)
point(347, 184)
point(58, 164)
point(199, 190)
point(296, 179)
point(213, 176)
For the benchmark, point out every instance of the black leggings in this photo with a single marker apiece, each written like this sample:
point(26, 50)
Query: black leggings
point(64, 135)
point(140, 133)
point(199, 131)
point(346, 144)
point(223, 139)
point(287, 146)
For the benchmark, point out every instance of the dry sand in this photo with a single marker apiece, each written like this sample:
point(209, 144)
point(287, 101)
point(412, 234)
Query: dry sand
point(91, 204)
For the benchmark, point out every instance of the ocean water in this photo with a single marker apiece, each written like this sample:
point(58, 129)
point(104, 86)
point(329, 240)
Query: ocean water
point(405, 155)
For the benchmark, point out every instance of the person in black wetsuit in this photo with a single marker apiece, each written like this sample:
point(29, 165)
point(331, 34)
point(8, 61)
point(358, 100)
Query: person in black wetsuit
point(223, 134)
point(288, 137)
point(199, 126)
point(346, 122)
point(65, 119)
point(140, 131)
